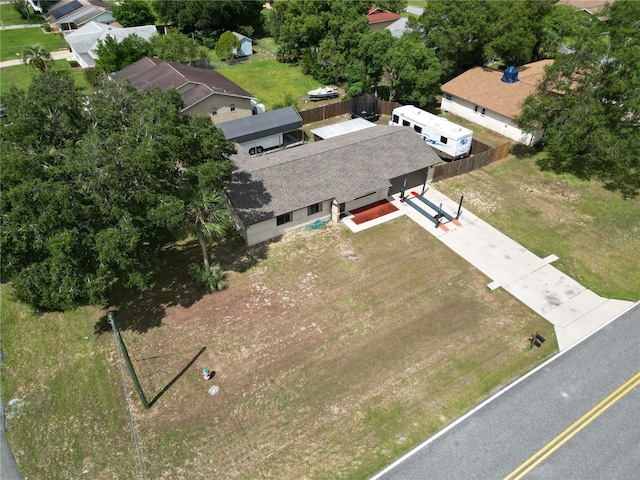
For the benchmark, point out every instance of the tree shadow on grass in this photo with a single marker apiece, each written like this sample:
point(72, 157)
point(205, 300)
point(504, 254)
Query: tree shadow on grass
point(173, 285)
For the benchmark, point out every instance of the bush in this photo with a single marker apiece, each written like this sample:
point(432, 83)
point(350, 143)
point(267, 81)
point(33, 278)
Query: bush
point(93, 76)
point(73, 64)
point(212, 278)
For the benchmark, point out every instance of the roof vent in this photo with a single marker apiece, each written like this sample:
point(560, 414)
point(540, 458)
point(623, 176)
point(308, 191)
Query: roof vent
point(510, 75)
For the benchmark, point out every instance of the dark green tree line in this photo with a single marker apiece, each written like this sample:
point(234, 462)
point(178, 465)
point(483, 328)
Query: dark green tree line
point(589, 103)
point(93, 186)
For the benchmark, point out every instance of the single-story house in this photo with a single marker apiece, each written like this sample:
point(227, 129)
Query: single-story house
point(492, 98)
point(74, 14)
point(84, 41)
point(288, 189)
point(379, 19)
point(203, 91)
point(246, 46)
point(263, 131)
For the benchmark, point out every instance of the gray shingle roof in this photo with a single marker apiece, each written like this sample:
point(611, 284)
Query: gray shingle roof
point(258, 126)
point(344, 168)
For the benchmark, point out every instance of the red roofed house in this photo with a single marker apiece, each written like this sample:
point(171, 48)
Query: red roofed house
point(203, 91)
point(379, 19)
point(493, 98)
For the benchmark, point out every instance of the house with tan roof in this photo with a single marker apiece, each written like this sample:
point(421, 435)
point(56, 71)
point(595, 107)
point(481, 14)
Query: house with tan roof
point(288, 189)
point(492, 98)
point(203, 91)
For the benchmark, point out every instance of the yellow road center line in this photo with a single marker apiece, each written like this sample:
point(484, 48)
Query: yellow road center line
point(567, 434)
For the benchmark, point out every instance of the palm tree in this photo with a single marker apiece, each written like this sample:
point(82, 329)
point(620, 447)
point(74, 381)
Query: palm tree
point(37, 57)
point(207, 217)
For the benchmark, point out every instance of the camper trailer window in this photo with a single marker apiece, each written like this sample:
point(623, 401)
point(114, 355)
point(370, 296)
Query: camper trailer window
point(396, 119)
point(214, 111)
point(476, 109)
point(405, 123)
point(232, 107)
point(484, 110)
point(443, 140)
point(417, 128)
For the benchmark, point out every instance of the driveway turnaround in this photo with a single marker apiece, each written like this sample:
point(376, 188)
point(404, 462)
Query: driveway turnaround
point(574, 310)
point(576, 416)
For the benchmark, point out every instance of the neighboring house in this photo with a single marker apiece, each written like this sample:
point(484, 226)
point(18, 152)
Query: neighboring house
point(203, 91)
point(74, 14)
point(84, 41)
point(263, 131)
point(246, 45)
point(398, 28)
point(278, 192)
point(493, 98)
point(379, 19)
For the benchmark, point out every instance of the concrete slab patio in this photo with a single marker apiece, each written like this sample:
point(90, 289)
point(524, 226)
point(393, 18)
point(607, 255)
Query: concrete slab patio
point(574, 310)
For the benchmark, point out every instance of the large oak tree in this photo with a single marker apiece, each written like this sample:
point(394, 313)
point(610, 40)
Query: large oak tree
point(93, 186)
point(589, 103)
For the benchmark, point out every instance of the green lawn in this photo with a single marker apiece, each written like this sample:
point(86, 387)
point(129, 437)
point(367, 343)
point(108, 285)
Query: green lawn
point(20, 76)
point(267, 79)
point(14, 42)
point(595, 232)
point(9, 16)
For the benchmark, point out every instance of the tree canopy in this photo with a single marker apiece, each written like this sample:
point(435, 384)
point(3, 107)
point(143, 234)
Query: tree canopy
point(134, 13)
point(93, 186)
point(589, 103)
point(114, 56)
point(227, 46)
point(177, 47)
point(468, 33)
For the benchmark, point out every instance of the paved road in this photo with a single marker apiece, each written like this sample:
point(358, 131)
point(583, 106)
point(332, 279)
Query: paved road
point(57, 55)
point(504, 432)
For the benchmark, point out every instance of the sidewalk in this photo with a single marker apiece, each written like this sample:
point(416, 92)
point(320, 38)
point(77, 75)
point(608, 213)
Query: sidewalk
point(574, 310)
point(57, 55)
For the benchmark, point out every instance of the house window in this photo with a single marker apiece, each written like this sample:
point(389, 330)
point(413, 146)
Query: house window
point(284, 218)
point(214, 111)
point(396, 119)
point(313, 209)
point(417, 128)
point(447, 96)
point(232, 107)
point(405, 123)
point(443, 140)
point(484, 110)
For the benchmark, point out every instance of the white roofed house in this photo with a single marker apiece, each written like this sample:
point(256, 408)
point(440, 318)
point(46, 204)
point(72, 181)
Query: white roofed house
point(288, 189)
point(84, 41)
point(493, 98)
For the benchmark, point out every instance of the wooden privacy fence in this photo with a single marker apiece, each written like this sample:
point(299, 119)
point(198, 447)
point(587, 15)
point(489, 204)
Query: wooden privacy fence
point(341, 108)
point(481, 156)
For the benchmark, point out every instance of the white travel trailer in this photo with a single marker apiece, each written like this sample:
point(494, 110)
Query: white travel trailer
point(450, 140)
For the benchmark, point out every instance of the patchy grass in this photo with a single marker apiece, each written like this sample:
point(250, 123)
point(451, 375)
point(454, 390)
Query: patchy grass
point(20, 76)
point(267, 79)
point(14, 42)
point(595, 232)
point(334, 353)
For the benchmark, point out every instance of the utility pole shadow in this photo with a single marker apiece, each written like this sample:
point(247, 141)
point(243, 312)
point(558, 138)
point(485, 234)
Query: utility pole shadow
point(175, 379)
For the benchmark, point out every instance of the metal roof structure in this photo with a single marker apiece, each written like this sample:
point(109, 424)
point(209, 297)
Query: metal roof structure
point(342, 128)
point(262, 125)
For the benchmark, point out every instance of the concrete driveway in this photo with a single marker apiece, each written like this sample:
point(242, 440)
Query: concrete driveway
point(574, 310)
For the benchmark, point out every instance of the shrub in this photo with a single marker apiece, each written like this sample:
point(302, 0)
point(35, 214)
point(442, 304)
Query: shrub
point(211, 278)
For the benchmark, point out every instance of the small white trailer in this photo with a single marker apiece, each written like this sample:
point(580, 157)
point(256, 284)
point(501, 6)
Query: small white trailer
point(450, 140)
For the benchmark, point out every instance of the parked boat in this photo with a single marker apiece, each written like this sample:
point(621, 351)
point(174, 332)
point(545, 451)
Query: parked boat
point(323, 93)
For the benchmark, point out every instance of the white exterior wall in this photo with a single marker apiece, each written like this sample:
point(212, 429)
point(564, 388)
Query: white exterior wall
point(497, 122)
point(263, 231)
point(369, 199)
